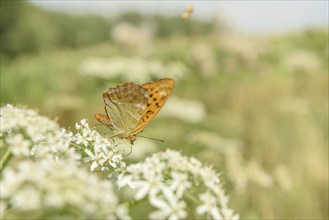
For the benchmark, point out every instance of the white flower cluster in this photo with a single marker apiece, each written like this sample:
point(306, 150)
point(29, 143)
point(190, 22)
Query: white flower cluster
point(301, 61)
point(29, 134)
point(192, 111)
point(240, 172)
point(43, 176)
point(99, 151)
point(49, 188)
point(170, 181)
point(204, 59)
point(132, 68)
point(123, 32)
point(246, 51)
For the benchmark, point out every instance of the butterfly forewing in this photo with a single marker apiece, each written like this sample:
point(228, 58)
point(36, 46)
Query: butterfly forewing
point(158, 91)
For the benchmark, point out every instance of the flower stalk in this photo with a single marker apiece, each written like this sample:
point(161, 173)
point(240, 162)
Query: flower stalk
point(5, 159)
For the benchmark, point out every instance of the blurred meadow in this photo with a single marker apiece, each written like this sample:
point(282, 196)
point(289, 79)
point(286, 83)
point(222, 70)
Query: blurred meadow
point(254, 107)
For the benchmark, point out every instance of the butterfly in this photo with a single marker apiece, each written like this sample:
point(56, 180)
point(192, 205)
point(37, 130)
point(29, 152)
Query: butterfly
point(188, 11)
point(130, 107)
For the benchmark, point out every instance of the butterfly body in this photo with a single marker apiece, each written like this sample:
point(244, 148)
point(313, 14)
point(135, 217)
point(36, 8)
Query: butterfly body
point(130, 107)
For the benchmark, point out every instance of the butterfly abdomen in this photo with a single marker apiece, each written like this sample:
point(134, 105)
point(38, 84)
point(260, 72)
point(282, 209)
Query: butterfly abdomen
point(103, 119)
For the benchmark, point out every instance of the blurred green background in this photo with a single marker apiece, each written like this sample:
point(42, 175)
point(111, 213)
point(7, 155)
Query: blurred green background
point(254, 107)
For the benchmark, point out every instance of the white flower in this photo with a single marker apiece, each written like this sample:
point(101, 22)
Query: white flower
point(179, 183)
point(151, 185)
point(229, 214)
point(168, 207)
point(204, 59)
point(123, 32)
point(99, 151)
point(132, 68)
point(210, 178)
point(124, 180)
point(47, 184)
point(77, 126)
point(135, 170)
point(84, 123)
point(95, 158)
point(20, 146)
point(83, 139)
point(192, 111)
point(153, 166)
point(114, 159)
point(208, 206)
point(168, 178)
point(28, 134)
point(302, 61)
point(122, 213)
point(53, 178)
point(28, 198)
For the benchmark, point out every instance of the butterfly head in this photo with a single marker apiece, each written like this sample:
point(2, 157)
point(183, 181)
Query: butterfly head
point(131, 139)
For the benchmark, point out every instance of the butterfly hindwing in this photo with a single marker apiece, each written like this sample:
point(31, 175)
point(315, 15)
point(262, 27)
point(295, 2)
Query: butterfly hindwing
point(124, 105)
point(158, 91)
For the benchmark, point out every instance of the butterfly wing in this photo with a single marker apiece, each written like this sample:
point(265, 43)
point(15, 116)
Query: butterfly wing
point(125, 104)
point(158, 91)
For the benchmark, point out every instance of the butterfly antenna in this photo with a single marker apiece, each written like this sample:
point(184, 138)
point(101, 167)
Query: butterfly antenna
point(154, 139)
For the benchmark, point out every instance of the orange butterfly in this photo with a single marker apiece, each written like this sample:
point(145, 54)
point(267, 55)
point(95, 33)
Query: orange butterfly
point(130, 107)
point(188, 11)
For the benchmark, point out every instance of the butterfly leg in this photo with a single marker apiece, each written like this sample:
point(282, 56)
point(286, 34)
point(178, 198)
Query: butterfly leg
point(116, 134)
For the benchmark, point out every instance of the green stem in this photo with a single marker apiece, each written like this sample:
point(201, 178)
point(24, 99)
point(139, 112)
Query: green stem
point(5, 159)
point(191, 196)
point(132, 203)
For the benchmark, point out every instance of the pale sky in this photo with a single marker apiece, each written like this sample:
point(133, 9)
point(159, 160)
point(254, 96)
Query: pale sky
point(246, 16)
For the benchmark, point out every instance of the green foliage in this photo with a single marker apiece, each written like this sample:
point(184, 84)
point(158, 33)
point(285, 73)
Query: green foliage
point(178, 26)
point(28, 29)
point(20, 28)
point(130, 17)
point(167, 26)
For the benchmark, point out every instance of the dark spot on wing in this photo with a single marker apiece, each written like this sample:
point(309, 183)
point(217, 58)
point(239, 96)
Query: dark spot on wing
point(154, 99)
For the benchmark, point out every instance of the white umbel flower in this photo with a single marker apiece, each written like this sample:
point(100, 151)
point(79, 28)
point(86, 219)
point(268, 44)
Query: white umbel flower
point(97, 150)
point(53, 185)
point(168, 179)
point(28, 134)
